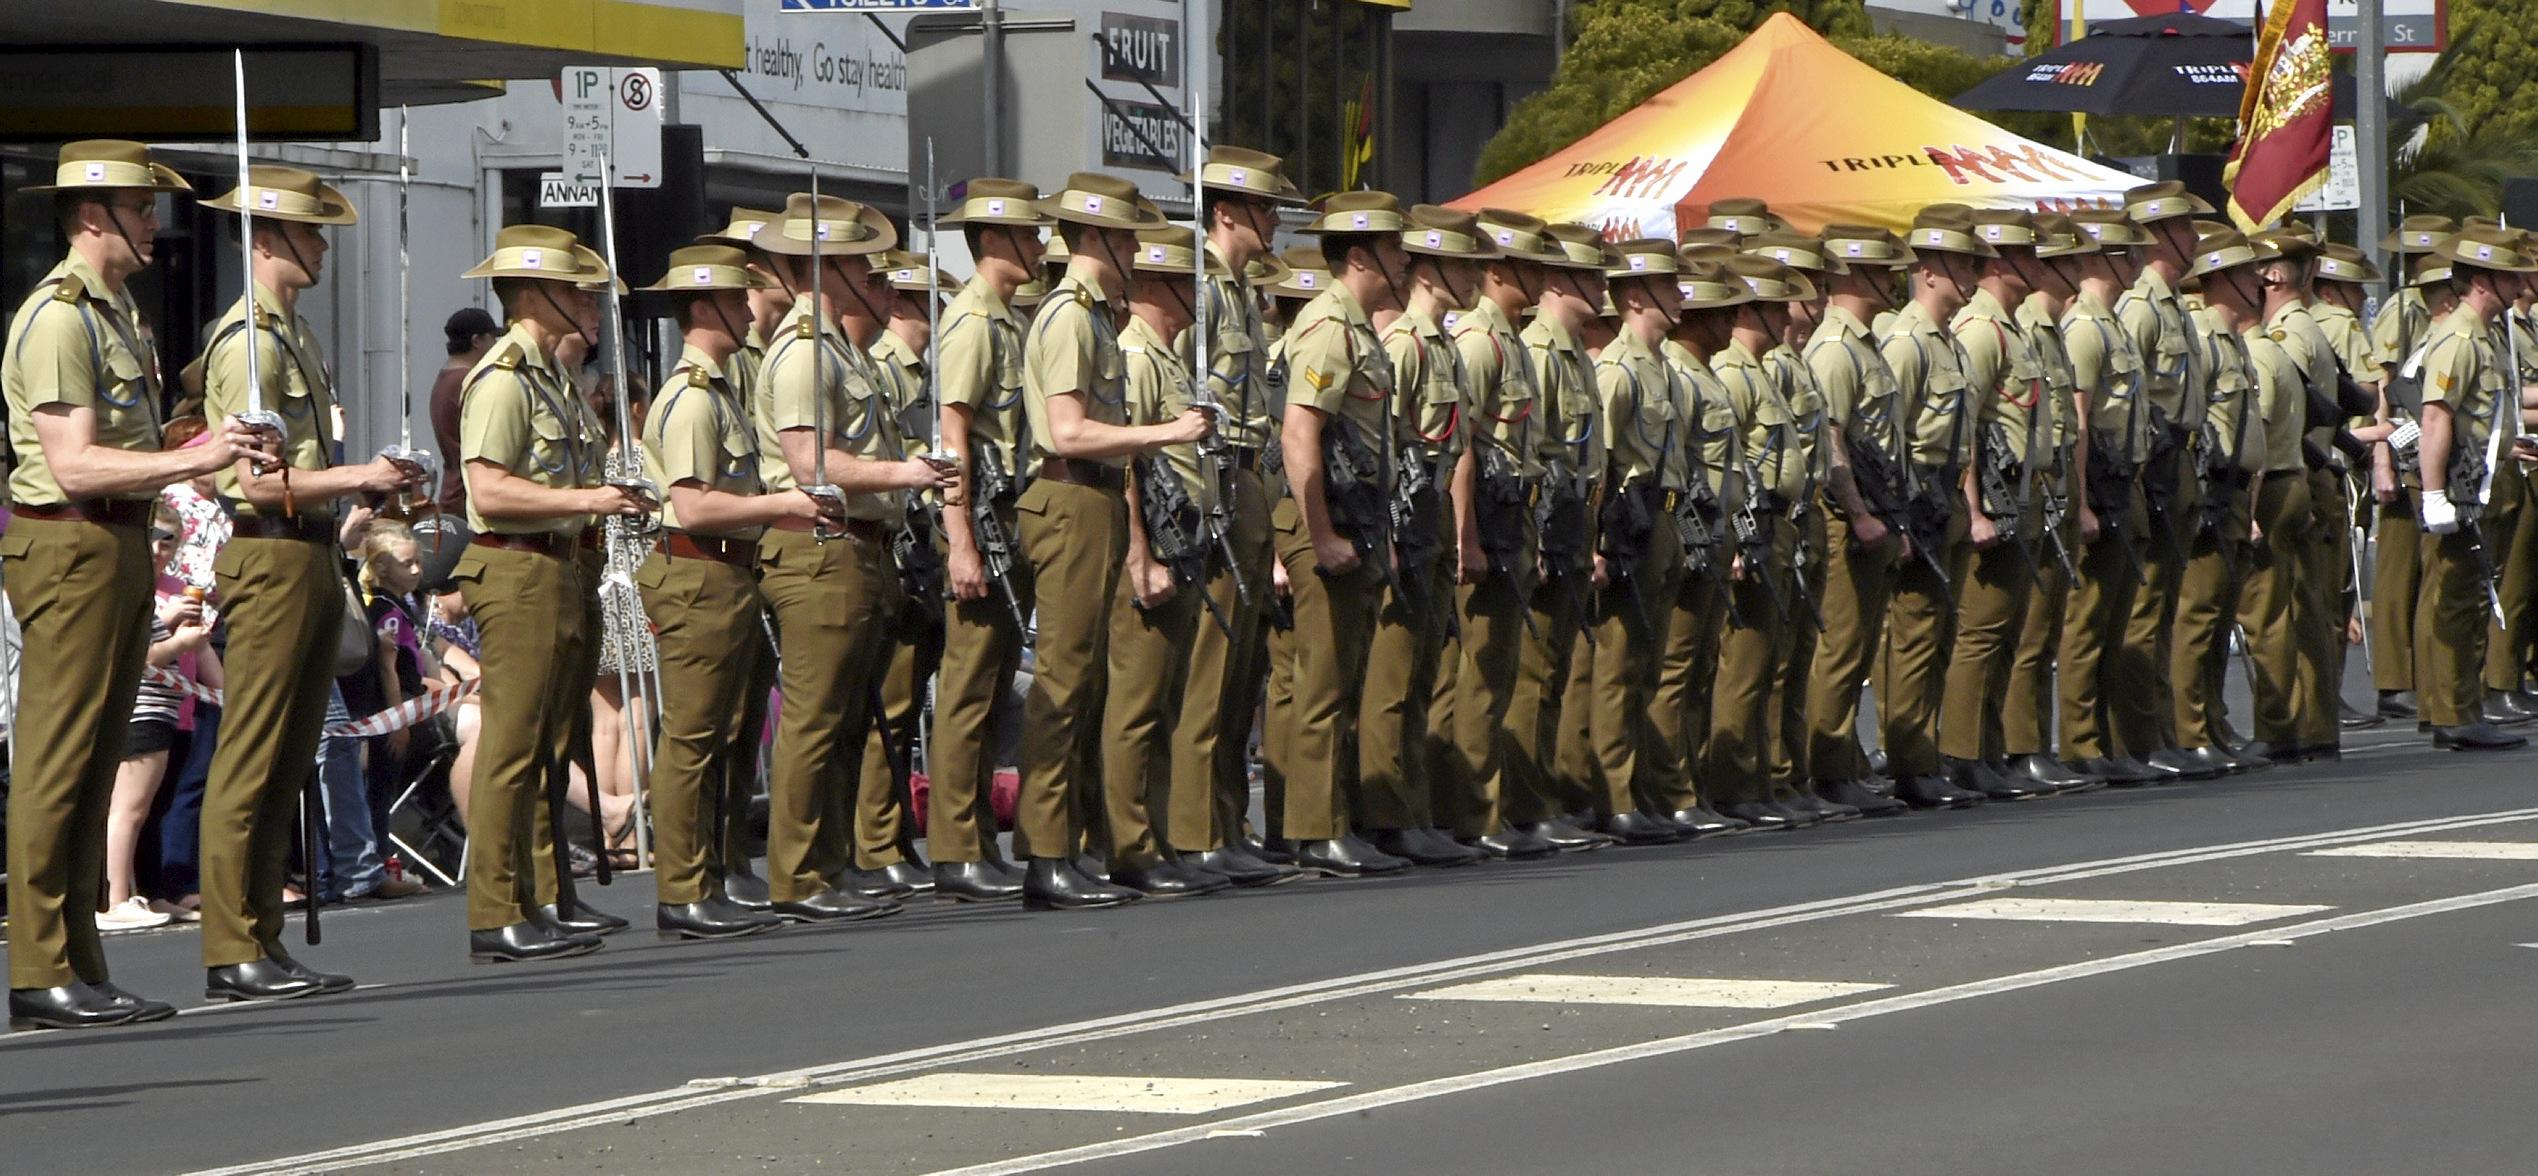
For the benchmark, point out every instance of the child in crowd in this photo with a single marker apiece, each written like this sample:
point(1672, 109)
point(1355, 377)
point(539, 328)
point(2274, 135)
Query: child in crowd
point(180, 642)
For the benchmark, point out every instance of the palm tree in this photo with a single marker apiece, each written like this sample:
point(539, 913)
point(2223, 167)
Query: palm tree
point(2438, 163)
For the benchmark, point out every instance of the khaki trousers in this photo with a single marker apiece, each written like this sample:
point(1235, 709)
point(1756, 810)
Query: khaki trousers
point(283, 603)
point(2141, 702)
point(2271, 611)
point(2324, 569)
point(832, 602)
point(982, 651)
point(1149, 675)
point(2093, 620)
point(1334, 625)
point(2205, 607)
point(1912, 660)
point(1686, 669)
point(2513, 541)
point(1395, 780)
point(1857, 582)
point(1734, 757)
point(1074, 537)
point(1277, 711)
point(881, 795)
point(2028, 712)
point(2396, 585)
point(2450, 619)
point(740, 759)
point(1228, 674)
point(1993, 588)
point(1493, 616)
point(536, 632)
point(1530, 789)
point(704, 615)
point(1787, 709)
point(1630, 620)
point(82, 594)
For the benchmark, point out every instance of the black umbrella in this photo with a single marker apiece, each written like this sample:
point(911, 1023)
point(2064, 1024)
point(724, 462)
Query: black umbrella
point(2178, 64)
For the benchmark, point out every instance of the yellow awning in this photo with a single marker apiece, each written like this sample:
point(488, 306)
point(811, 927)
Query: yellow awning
point(704, 33)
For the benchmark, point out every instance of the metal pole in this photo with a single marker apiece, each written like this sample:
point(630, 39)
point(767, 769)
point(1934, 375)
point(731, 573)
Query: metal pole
point(631, 706)
point(991, 14)
point(2370, 129)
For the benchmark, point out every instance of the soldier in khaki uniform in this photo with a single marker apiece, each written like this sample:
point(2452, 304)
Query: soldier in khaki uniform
point(2274, 604)
point(1074, 527)
point(534, 487)
point(2399, 333)
point(281, 592)
point(1867, 483)
point(980, 385)
point(2467, 388)
point(2233, 451)
point(2027, 720)
point(1997, 557)
point(82, 386)
point(1639, 554)
point(1339, 389)
point(1243, 190)
point(699, 586)
point(1307, 276)
point(2510, 523)
point(2343, 280)
point(1494, 530)
point(1704, 482)
point(1570, 452)
point(2108, 369)
point(1157, 607)
point(2142, 710)
point(825, 426)
point(1754, 651)
point(1912, 661)
point(1405, 722)
point(884, 838)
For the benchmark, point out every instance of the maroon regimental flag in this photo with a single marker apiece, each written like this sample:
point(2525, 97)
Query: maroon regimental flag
point(2286, 119)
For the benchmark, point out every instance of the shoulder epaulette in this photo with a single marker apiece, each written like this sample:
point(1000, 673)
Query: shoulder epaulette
point(696, 378)
point(509, 358)
point(71, 288)
point(806, 327)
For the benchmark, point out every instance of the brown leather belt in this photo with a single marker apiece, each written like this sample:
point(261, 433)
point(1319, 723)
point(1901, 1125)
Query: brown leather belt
point(1246, 457)
point(867, 530)
point(682, 545)
point(305, 528)
point(105, 512)
point(543, 544)
point(1083, 473)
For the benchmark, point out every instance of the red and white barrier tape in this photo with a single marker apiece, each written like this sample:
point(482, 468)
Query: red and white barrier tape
point(396, 718)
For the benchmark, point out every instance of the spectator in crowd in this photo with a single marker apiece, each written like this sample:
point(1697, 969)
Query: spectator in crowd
point(354, 868)
point(453, 638)
point(180, 642)
point(625, 635)
point(471, 332)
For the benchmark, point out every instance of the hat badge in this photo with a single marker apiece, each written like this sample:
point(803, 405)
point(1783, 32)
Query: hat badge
point(2214, 259)
point(1092, 203)
point(1237, 176)
point(1304, 280)
point(1358, 220)
point(996, 206)
point(1506, 236)
point(1638, 261)
point(701, 275)
point(2485, 253)
point(1852, 248)
point(1154, 253)
point(268, 198)
point(1780, 255)
point(819, 229)
point(905, 275)
point(755, 227)
point(532, 259)
point(95, 172)
point(1436, 240)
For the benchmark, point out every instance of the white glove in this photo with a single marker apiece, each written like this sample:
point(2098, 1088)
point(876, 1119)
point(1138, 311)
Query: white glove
point(2437, 515)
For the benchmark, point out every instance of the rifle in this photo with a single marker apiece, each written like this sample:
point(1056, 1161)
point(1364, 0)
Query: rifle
point(921, 568)
point(2110, 492)
point(1499, 492)
point(2005, 505)
point(991, 486)
point(2057, 510)
point(1894, 494)
point(1174, 526)
point(1561, 518)
point(1417, 517)
point(1752, 527)
point(1355, 485)
point(2218, 485)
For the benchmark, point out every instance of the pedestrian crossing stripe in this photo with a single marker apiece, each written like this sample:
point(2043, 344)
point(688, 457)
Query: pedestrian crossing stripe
point(1114, 1093)
point(2098, 910)
point(1664, 991)
point(2494, 851)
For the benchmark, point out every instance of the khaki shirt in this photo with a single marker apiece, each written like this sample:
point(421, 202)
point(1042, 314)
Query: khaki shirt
point(981, 352)
point(1806, 410)
point(1930, 375)
point(2280, 397)
point(1566, 380)
point(1159, 392)
point(1859, 388)
point(1335, 364)
point(2001, 366)
point(903, 378)
point(295, 387)
point(2399, 328)
point(71, 343)
point(1761, 405)
point(518, 412)
point(2062, 414)
point(2106, 364)
point(1073, 348)
point(2462, 369)
point(2176, 375)
point(1709, 447)
point(743, 367)
point(2236, 405)
point(1498, 372)
point(852, 391)
point(701, 432)
point(2351, 343)
point(1642, 429)
point(1238, 365)
point(1429, 373)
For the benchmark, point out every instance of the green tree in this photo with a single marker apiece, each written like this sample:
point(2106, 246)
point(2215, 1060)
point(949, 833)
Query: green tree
point(2496, 44)
point(2443, 160)
point(1622, 52)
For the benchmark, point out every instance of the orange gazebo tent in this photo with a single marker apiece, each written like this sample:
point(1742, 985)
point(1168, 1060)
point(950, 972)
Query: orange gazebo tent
point(1824, 138)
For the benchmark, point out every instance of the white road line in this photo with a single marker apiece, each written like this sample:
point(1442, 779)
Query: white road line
point(1374, 1100)
point(606, 1112)
point(1115, 1093)
point(2492, 851)
point(1664, 991)
point(2098, 910)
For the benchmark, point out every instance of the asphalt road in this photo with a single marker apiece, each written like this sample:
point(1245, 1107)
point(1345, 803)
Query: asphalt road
point(2315, 969)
